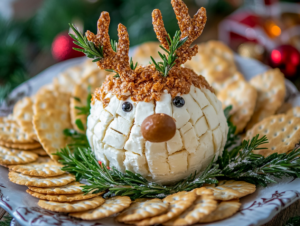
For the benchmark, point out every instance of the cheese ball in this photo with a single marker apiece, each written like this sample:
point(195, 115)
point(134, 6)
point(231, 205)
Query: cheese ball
point(115, 134)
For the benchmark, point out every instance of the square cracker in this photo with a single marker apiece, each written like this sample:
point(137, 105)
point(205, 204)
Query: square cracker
point(23, 114)
point(270, 88)
point(51, 117)
point(242, 97)
point(282, 131)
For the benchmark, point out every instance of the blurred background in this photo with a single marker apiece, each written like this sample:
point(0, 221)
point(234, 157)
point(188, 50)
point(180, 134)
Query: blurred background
point(34, 33)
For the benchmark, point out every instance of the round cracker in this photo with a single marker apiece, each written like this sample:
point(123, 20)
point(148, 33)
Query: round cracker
point(230, 189)
point(39, 151)
point(270, 88)
point(179, 202)
point(23, 146)
point(51, 117)
point(23, 114)
point(282, 131)
point(71, 207)
point(49, 169)
point(72, 188)
point(202, 206)
point(11, 132)
point(21, 179)
point(142, 210)
point(81, 91)
point(224, 210)
point(11, 157)
point(242, 97)
point(111, 206)
point(63, 198)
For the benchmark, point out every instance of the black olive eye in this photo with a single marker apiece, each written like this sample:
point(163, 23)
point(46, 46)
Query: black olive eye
point(178, 101)
point(127, 107)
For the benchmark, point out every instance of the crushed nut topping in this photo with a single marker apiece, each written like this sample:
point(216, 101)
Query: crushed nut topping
point(149, 84)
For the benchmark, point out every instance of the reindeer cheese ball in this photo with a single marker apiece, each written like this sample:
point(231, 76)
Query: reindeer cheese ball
point(162, 127)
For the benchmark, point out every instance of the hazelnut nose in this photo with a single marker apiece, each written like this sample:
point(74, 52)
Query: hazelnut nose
point(158, 128)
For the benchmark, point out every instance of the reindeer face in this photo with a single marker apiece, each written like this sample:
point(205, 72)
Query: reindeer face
point(162, 124)
point(116, 134)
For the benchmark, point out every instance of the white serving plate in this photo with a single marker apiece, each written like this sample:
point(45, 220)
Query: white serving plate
point(257, 209)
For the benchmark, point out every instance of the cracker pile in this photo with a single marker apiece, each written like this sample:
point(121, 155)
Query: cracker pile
point(33, 132)
point(36, 126)
point(57, 191)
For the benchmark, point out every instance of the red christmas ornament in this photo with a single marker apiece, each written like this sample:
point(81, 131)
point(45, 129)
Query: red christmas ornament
point(287, 58)
point(62, 47)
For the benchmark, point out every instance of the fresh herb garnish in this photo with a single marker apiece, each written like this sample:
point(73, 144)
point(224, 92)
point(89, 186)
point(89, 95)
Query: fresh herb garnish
point(82, 163)
point(111, 70)
point(84, 110)
point(88, 48)
point(114, 45)
point(169, 61)
point(240, 163)
point(232, 138)
point(132, 65)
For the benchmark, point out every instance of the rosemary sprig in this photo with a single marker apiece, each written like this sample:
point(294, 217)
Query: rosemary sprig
point(169, 61)
point(114, 45)
point(242, 164)
point(132, 65)
point(84, 110)
point(232, 138)
point(88, 48)
point(111, 70)
point(82, 163)
point(76, 138)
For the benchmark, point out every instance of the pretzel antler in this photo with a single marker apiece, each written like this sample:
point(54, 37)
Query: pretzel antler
point(189, 27)
point(117, 61)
